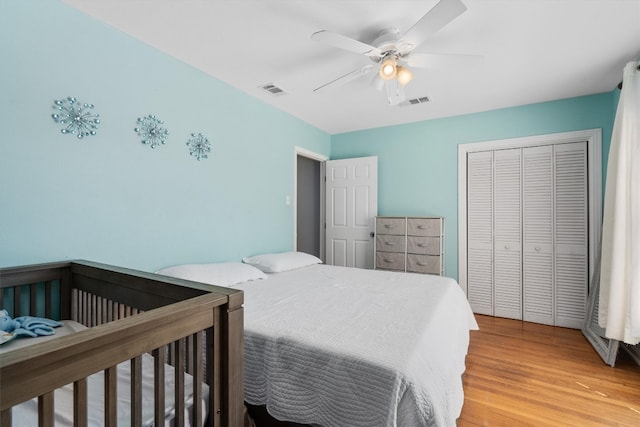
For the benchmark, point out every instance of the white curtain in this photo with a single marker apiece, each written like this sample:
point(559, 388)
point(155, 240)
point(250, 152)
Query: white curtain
point(619, 310)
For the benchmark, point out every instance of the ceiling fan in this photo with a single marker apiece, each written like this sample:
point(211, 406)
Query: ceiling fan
point(391, 52)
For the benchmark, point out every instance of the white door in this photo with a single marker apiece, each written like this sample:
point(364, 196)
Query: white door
point(351, 208)
point(537, 234)
point(507, 253)
point(480, 232)
point(571, 223)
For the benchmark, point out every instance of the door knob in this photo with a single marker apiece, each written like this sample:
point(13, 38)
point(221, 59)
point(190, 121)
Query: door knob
point(372, 234)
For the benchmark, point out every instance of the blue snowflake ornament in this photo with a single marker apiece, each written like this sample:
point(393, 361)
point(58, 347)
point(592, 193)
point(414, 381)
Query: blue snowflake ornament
point(199, 146)
point(151, 131)
point(75, 117)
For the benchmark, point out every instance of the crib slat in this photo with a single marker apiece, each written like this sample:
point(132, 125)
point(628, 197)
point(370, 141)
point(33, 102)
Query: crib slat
point(74, 306)
point(47, 298)
point(188, 360)
point(83, 308)
point(33, 296)
point(80, 403)
point(110, 396)
point(86, 306)
point(213, 343)
point(94, 311)
point(77, 309)
point(45, 410)
point(179, 382)
point(98, 311)
point(64, 289)
point(136, 391)
point(171, 353)
point(159, 359)
point(16, 301)
point(196, 352)
point(105, 311)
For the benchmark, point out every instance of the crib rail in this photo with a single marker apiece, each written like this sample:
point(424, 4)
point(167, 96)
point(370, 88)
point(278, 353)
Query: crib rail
point(129, 314)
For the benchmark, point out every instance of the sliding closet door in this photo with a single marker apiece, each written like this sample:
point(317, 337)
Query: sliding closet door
point(480, 232)
point(537, 188)
point(571, 236)
point(507, 230)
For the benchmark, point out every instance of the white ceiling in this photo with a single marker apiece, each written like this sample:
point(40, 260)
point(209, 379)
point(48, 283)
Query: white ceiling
point(534, 51)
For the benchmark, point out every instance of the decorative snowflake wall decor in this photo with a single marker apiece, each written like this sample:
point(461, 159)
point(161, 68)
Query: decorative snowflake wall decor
point(151, 131)
point(76, 117)
point(199, 146)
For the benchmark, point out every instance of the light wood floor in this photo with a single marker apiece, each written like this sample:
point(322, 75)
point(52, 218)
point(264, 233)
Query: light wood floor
point(525, 374)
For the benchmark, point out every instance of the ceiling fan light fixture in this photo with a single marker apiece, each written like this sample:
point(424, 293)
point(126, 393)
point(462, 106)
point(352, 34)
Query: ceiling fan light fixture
point(404, 75)
point(388, 68)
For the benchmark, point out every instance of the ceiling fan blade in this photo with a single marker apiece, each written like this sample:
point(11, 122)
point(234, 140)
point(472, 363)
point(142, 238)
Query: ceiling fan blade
point(346, 78)
point(433, 21)
point(346, 43)
point(443, 60)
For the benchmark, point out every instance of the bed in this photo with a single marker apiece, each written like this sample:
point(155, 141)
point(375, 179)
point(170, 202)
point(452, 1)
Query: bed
point(136, 349)
point(335, 346)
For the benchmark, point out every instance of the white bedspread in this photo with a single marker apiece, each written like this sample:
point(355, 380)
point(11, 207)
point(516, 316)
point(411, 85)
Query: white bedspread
point(343, 347)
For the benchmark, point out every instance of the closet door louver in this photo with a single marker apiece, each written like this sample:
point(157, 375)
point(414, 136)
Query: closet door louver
point(538, 280)
point(480, 232)
point(571, 236)
point(507, 229)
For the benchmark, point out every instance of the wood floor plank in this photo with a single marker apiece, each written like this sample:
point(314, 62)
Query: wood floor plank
point(525, 374)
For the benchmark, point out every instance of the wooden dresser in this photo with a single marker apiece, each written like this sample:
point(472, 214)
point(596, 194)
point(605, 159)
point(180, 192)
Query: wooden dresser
point(413, 244)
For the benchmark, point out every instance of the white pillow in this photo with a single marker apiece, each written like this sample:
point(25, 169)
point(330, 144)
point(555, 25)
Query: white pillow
point(221, 274)
point(276, 263)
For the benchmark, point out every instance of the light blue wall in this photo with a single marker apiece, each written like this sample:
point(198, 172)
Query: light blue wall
point(110, 198)
point(417, 163)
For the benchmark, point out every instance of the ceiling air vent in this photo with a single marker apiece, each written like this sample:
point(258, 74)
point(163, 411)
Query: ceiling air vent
point(420, 100)
point(273, 89)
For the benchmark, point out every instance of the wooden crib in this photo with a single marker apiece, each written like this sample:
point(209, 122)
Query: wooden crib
point(129, 313)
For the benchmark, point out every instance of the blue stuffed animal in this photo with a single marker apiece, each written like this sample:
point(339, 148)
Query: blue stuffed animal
point(27, 326)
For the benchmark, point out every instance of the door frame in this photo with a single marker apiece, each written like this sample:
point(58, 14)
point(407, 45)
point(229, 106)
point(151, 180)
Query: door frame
point(593, 137)
point(299, 151)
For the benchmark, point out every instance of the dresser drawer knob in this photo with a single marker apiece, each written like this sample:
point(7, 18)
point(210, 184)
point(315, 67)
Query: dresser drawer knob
point(537, 248)
point(387, 260)
point(422, 264)
point(422, 227)
point(422, 245)
point(389, 226)
point(386, 242)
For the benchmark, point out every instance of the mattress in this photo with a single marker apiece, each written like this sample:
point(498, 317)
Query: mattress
point(337, 346)
point(26, 414)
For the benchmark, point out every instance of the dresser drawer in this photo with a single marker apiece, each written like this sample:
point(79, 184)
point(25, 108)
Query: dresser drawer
point(390, 260)
point(423, 264)
point(390, 226)
point(424, 226)
point(390, 243)
point(423, 245)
